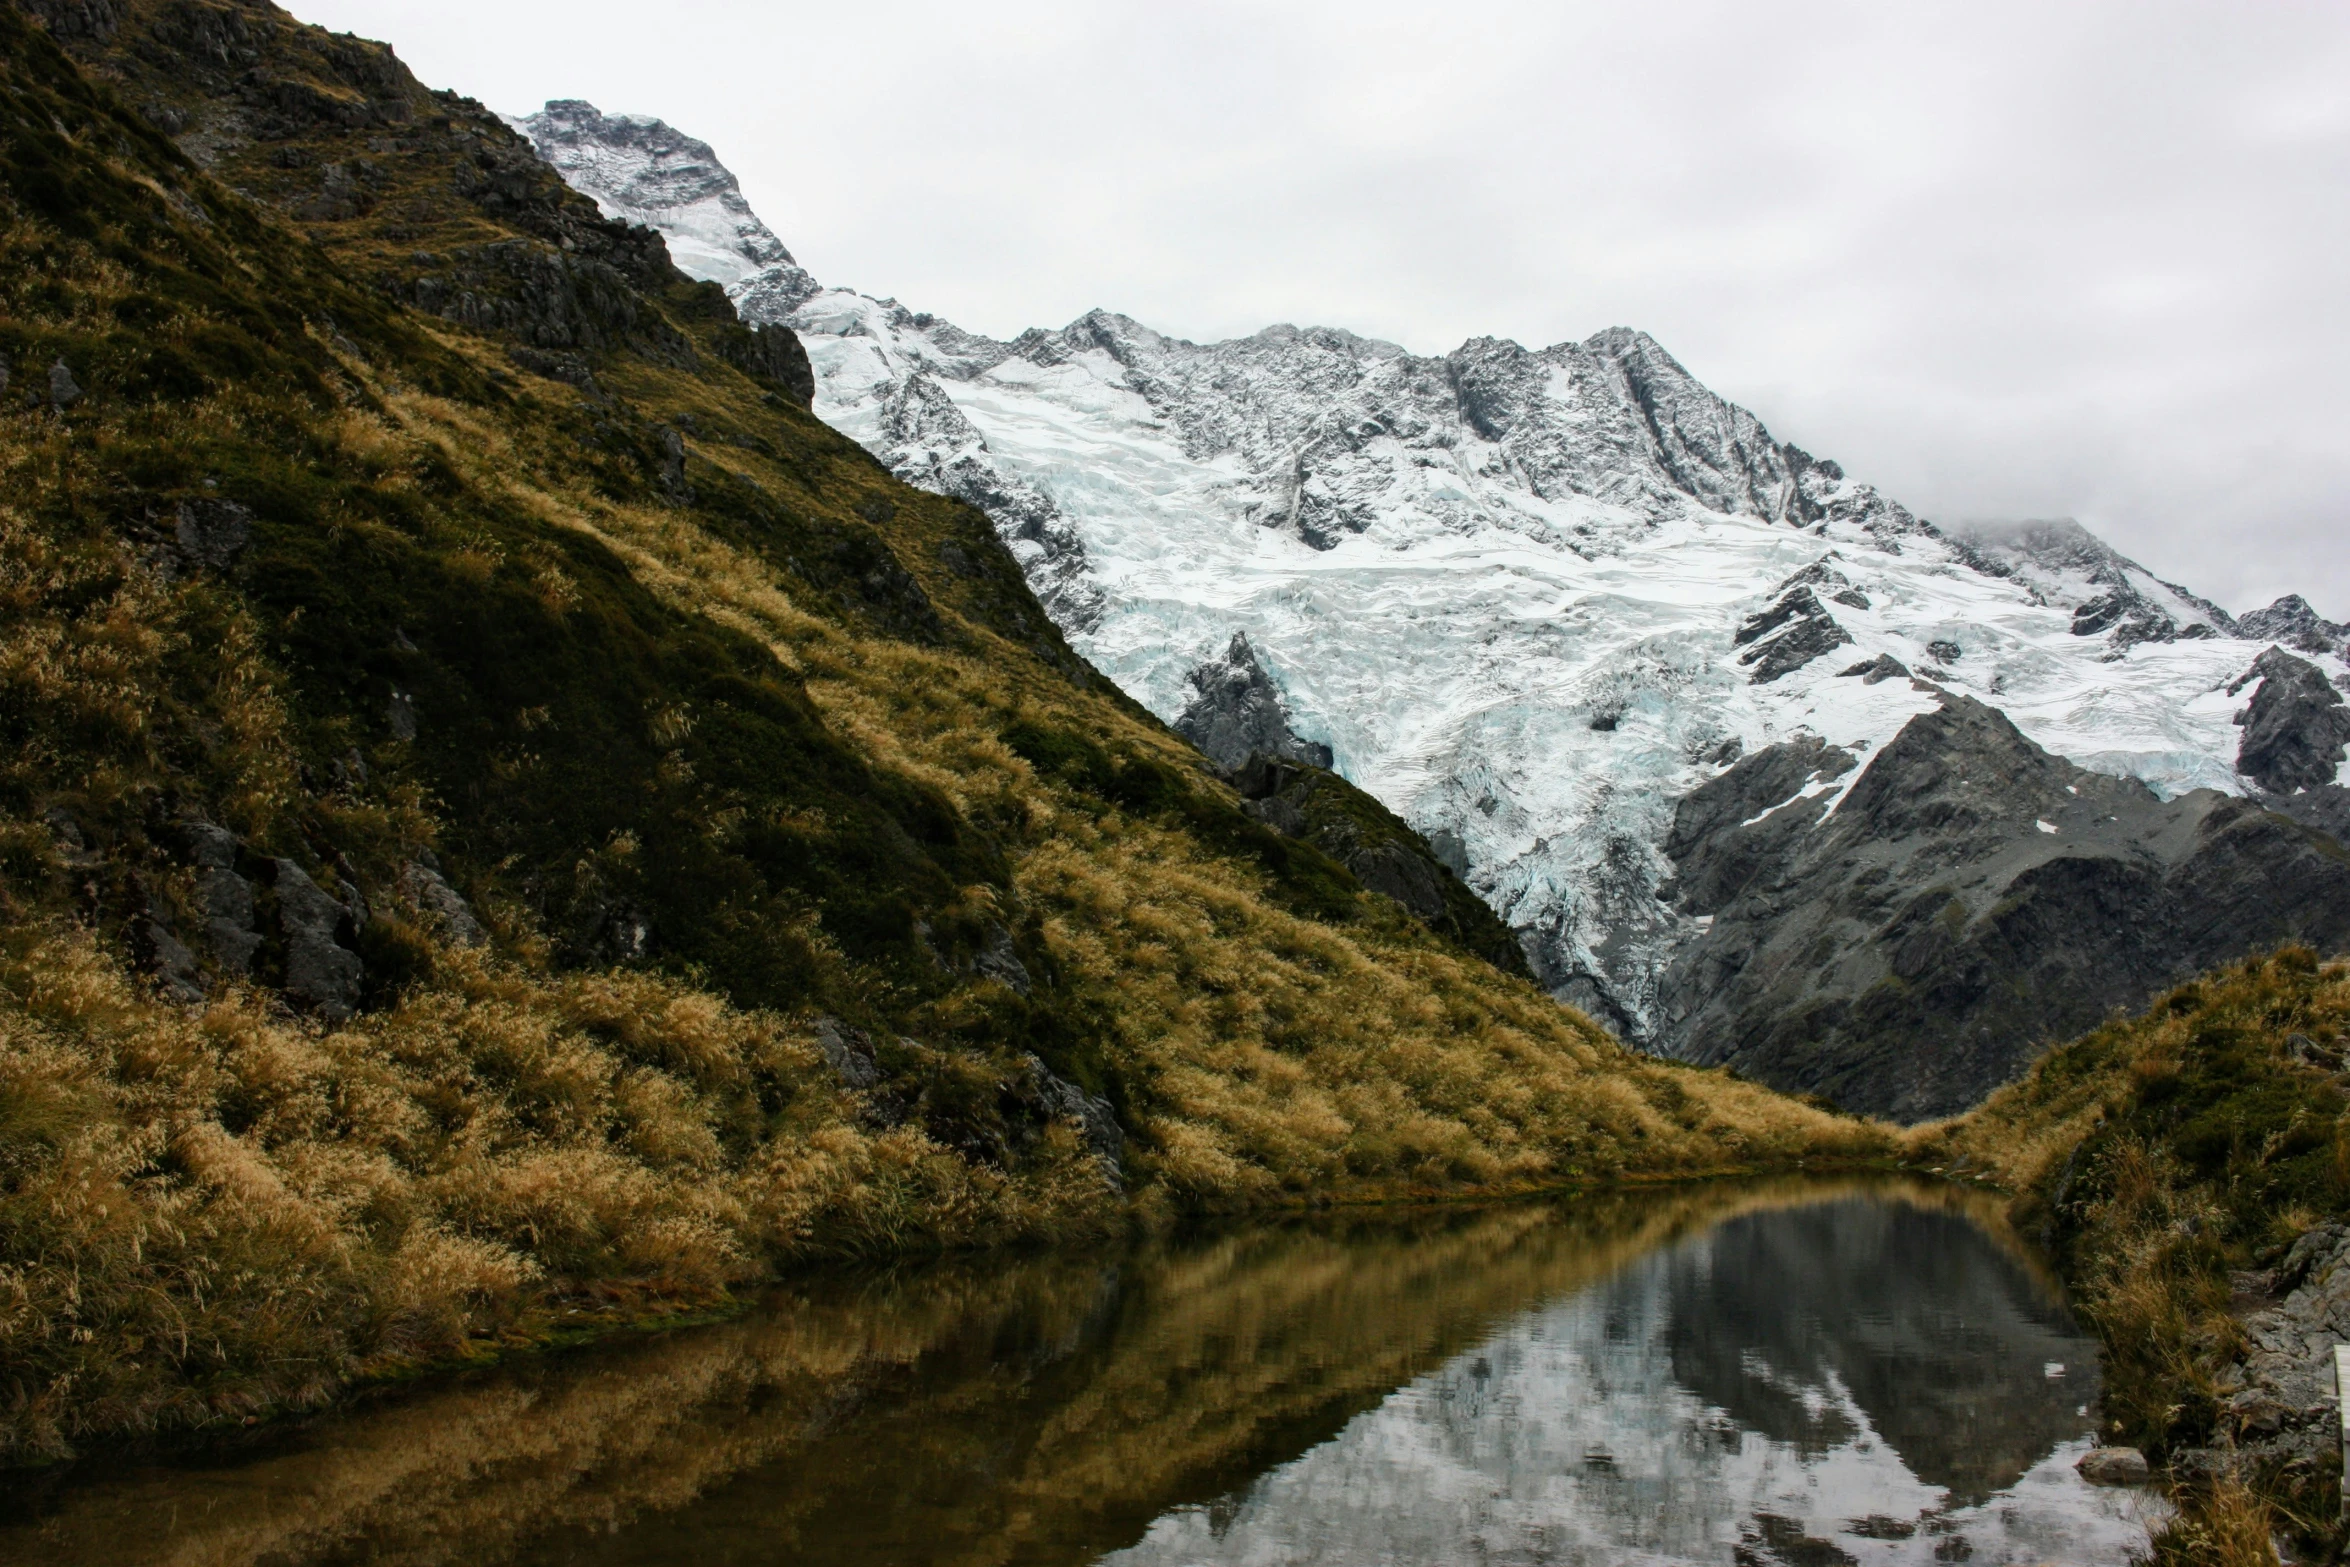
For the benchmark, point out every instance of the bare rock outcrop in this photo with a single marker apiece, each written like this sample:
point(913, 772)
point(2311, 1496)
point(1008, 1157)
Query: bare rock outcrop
point(1237, 712)
point(1905, 942)
point(2296, 730)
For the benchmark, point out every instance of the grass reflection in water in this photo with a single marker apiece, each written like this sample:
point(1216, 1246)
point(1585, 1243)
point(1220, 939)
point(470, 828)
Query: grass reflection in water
point(1053, 1407)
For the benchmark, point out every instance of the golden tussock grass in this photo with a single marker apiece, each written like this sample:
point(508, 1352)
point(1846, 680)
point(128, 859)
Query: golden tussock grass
point(1284, 1056)
point(224, 1211)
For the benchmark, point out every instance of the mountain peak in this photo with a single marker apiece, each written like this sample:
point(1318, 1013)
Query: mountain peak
point(2293, 621)
point(643, 170)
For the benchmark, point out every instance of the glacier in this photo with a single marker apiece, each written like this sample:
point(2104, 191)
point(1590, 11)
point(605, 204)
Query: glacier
point(1516, 592)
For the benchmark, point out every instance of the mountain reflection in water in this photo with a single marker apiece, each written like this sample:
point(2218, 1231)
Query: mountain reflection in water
point(1858, 1380)
point(1800, 1375)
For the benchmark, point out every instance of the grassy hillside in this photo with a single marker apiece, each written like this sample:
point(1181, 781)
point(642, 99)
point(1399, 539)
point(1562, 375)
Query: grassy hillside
point(505, 819)
point(2170, 1160)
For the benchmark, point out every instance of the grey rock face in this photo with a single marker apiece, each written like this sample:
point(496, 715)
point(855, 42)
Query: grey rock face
point(170, 959)
point(932, 445)
point(229, 926)
point(427, 891)
point(1883, 667)
point(93, 19)
point(773, 352)
point(570, 369)
point(322, 975)
point(2296, 730)
point(1732, 827)
point(640, 170)
point(1316, 806)
point(998, 961)
point(1394, 871)
point(1788, 635)
point(549, 299)
point(2292, 622)
point(213, 533)
point(2279, 1396)
point(1970, 899)
point(2326, 808)
point(64, 392)
point(1238, 713)
point(849, 1052)
point(1093, 1115)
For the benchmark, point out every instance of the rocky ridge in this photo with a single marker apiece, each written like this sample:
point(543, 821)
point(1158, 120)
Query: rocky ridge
point(2291, 621)
point(641, 171)
point(1236, 712)
point(2279, 1394)
point(1905, 936)
point(2295, 728)
point(1531, 599)
point(2111, 596)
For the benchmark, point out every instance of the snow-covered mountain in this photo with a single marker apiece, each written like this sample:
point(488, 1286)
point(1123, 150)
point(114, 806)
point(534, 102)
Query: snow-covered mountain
point(1531, 599)
point(641, 171)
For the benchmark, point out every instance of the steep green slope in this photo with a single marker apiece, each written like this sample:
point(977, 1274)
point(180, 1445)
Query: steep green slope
point(505, 819)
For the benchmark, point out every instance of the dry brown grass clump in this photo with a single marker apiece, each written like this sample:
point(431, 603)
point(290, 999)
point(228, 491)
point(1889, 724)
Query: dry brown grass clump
point(215, 1213)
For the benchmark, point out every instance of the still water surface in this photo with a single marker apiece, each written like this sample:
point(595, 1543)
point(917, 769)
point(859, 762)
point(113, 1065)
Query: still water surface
point(1807, 1376)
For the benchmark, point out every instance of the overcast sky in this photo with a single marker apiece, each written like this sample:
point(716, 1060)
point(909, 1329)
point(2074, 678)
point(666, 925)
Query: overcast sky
point(2001, 259)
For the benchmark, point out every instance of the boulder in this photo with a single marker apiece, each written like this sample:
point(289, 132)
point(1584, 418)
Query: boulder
point(164, 955)
point(230, 929)
point(213, 533)
point(1883, 667)
point(2115, 1466)
point(1092, 1114)
point(430, 894)
point(322, 975)
point(849, 1052)
point(673, 467)
point(998, 961)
